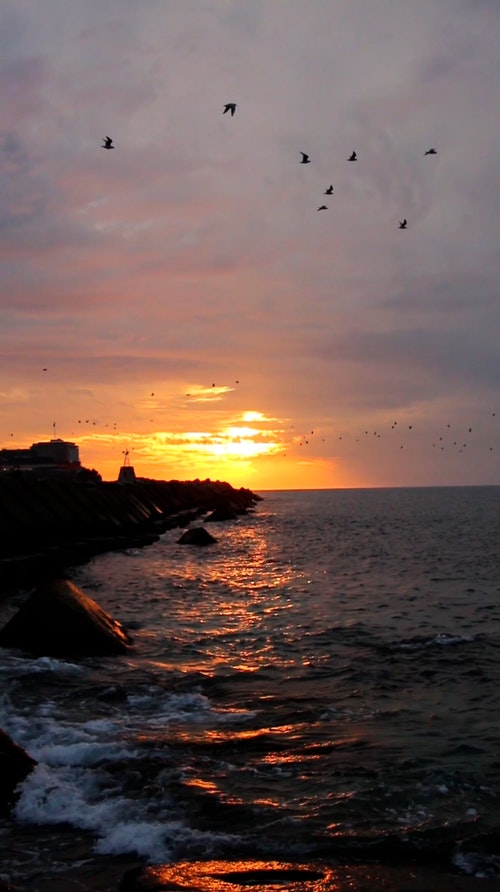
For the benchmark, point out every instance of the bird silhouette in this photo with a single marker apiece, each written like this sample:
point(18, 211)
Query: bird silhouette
point(431, 152)
point(108, 143)
point(328, 191)
point(305, 158)
point(353, 157)
point(323, 207)
point(230, 107)
point(403, 223)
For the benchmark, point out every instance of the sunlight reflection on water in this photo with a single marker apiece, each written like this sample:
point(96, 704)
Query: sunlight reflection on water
point(344, 640)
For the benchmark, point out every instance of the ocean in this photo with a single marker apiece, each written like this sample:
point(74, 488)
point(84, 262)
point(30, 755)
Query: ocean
point(320, 683)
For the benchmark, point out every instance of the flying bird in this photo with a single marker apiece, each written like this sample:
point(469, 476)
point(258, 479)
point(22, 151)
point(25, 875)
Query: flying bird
point(431, 152)
point(108, 143)
point(230, 106)
point(353, 157)
point(305, 158)
point(328, 191)
point(323, 207)
point(403, 223)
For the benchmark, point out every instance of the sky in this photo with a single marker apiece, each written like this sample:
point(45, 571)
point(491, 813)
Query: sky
point(180, 302)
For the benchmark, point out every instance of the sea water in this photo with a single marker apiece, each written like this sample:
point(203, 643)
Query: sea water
point(321, 682)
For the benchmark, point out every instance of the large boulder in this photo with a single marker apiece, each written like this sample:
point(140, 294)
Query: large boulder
point(221, 513)
point(196, 536)
point(15, 765)
point(224, 876)
point(59, 620)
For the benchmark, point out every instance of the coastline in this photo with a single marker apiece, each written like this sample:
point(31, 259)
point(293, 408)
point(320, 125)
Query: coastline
point(76, 864)
point(47, 526)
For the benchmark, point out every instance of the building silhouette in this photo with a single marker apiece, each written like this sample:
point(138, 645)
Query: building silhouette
point(44, 459)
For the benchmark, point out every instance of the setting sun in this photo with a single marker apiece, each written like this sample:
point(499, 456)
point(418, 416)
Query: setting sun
point(253, 416)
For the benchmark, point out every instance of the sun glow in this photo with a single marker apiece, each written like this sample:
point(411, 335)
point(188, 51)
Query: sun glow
point(242, 448)
point(247, 448)
point(253, 416)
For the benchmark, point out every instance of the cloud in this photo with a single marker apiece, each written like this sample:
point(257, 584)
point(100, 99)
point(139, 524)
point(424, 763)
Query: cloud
point(192, 254)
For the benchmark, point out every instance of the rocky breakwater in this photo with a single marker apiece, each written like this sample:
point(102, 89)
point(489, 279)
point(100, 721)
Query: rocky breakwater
point(47, 526)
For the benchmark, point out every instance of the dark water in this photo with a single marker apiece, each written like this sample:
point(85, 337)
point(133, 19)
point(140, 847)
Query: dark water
point(323, 680)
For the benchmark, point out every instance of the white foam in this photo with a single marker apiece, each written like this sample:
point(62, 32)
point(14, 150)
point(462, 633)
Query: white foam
point(64, 795)
point(449, 639)
point(56, 743)
point(100, 726)
point(49, 739)
point(158, 841)
point(144, 838)
point(75, 796)
point(441, 640)
point(192, 707)
point(83, 753)
point(477, 864)
point(24, 666)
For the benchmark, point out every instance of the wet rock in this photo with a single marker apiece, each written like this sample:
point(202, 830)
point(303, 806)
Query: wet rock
point(275, 876)
point(221, 513)
point(196, 536)
point(15, 765)
point(215, 876)
point(59, 620)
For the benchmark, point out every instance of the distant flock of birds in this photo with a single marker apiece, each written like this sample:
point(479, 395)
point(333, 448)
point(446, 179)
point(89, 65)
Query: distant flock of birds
point(231, 108)
point(442, 441)
point(403, 224)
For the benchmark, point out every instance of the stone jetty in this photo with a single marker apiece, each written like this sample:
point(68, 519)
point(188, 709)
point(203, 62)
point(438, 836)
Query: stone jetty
point(49, 525)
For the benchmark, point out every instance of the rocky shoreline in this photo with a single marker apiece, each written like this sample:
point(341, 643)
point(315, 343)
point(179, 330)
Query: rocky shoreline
point(47, 526)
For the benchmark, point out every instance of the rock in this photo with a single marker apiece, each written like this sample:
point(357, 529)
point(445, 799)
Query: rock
point(276, 876)
point(224, 876)
point(59, 620)
point(221, 513)
point(196, 536)
point(15, 765)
